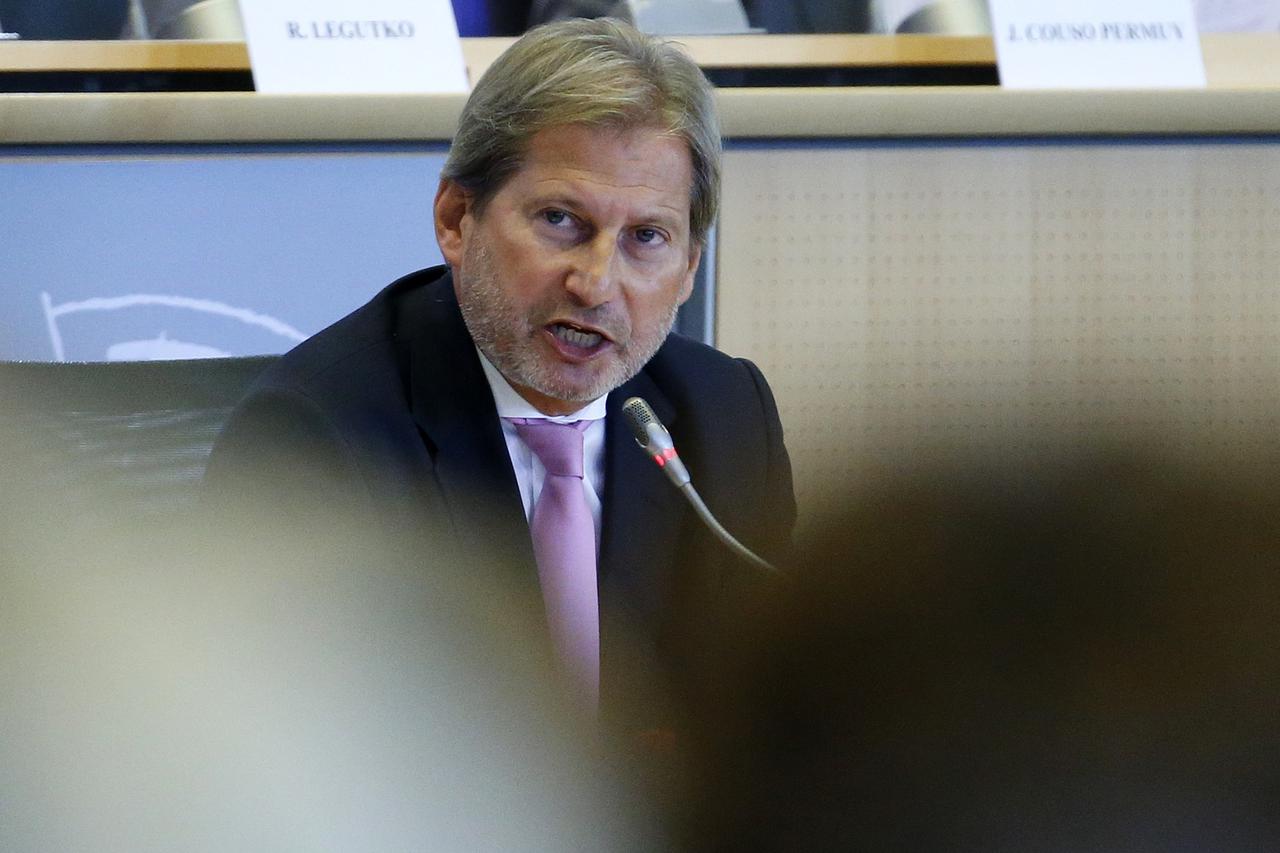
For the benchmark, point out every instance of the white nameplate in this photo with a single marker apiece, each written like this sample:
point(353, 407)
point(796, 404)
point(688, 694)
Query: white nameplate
point(1097, 44)
point(339, 46)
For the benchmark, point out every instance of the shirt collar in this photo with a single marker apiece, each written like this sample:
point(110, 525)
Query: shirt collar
point(511, 405)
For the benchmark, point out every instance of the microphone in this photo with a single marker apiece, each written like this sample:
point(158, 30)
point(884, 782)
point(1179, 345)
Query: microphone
point(656, 442)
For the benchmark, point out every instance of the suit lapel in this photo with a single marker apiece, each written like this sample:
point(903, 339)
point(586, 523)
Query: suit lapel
point(453, 407)
point(642, 511)
point(640, 534)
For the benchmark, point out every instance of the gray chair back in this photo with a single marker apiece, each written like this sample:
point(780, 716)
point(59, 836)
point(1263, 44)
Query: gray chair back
point(129, 438)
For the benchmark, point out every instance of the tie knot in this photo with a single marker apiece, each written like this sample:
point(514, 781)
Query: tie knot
point(558, 446)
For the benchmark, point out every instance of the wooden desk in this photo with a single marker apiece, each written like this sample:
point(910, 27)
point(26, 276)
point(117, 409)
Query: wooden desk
point(1231, 60)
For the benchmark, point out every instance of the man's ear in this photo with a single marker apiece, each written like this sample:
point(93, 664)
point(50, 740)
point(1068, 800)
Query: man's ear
point(452, 206)
point(695, 255)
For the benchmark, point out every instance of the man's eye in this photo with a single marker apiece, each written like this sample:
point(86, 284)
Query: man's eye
point(648, 235)
point(555, 217)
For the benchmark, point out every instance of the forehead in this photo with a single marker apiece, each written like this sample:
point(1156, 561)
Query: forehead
point(642, 164)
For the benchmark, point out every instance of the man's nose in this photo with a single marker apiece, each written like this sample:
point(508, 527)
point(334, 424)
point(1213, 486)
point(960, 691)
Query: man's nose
point(593, 274)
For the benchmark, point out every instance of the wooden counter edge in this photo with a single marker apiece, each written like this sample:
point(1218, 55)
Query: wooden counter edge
point(1232, 59)
point(245, 117)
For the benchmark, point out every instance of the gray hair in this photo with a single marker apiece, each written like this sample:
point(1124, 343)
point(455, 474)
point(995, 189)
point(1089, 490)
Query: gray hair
point(594, 73)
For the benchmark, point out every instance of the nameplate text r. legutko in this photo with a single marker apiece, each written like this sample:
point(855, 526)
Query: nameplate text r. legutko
point(1097, 44)
point(350, 29)
point(340, 47)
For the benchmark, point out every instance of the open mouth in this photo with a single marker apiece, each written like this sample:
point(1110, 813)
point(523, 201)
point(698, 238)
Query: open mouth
point(575, 337)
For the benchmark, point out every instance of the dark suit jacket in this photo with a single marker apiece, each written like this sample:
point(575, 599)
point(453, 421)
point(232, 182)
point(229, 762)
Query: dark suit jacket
point(388, 412)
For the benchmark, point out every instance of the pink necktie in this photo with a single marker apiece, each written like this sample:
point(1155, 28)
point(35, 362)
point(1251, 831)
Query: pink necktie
point(564, 545)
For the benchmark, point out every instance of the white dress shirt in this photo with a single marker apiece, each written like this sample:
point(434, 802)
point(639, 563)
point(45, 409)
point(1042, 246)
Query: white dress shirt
point(529, 471)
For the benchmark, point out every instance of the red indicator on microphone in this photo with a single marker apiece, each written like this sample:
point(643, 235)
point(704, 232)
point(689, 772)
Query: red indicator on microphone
point(665, 456)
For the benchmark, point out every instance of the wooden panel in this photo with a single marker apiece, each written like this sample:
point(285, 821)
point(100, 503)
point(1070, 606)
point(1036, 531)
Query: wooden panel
point(904, 299)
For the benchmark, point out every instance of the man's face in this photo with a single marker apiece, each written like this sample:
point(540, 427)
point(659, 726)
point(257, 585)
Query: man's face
point(570, 279)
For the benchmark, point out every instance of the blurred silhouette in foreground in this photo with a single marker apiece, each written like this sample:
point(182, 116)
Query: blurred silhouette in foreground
point(178, 684)
point(1081, 654)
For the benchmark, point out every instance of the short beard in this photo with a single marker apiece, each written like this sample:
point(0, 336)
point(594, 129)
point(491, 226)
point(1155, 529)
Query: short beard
point(506, 337)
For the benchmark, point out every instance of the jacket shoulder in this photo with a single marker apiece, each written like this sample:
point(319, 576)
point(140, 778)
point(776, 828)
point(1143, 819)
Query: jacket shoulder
point(700, 378)
point(345, 356)
point(332, 415)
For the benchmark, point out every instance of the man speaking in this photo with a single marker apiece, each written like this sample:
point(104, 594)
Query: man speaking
point(475, 408)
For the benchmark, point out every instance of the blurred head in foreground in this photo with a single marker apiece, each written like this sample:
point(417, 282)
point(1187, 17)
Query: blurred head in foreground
point(1082, 655)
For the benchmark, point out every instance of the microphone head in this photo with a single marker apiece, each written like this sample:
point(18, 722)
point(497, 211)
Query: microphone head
point(639, 415)
point(654, 439)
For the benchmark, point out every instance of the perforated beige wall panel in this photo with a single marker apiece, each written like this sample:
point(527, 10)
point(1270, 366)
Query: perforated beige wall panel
point(911, 298)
